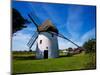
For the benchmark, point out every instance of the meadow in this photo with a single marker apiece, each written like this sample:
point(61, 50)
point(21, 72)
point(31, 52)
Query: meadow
point(25, 62)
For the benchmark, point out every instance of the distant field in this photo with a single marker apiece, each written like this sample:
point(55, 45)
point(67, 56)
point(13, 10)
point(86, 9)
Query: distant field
point(26, 63)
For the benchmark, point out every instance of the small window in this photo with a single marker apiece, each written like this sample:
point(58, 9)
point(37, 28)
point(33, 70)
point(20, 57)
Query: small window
point(52, 35)
point(40, 41)
point(46, 47)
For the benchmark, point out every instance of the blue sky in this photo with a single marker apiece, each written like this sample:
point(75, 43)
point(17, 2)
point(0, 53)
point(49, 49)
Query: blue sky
point(77, 22)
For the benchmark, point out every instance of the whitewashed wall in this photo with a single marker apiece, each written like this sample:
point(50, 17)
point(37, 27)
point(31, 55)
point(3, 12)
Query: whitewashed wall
point(47, 41)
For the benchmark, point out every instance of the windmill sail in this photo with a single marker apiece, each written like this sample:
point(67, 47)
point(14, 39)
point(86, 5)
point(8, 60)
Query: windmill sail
point(34, 15)
point(62, 36)
point(33, 21)
point(33, 18)
point(32, 40)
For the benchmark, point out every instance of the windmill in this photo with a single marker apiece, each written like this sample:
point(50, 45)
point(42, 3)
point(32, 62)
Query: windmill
point(46, 36)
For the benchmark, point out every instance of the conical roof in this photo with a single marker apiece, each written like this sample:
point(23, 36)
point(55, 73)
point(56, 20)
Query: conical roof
point(47, 26)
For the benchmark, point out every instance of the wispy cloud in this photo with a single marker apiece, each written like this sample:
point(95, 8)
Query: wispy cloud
point(74, 21)
point(89, 35)
point(19, 42)
point(73, 26)
point(63, 44)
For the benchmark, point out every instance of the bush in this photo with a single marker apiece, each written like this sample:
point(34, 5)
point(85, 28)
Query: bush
point(90, 46)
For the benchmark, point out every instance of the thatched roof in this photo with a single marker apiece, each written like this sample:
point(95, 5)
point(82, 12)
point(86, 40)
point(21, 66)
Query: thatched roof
point(47, 26)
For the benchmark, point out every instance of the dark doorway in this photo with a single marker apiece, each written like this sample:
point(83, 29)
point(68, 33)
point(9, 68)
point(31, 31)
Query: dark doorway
point(45, 54)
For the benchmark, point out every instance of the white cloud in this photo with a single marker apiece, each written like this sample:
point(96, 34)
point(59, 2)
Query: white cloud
point(21, 36)
point(19, 42)
point(88, 35)
point(30, 29)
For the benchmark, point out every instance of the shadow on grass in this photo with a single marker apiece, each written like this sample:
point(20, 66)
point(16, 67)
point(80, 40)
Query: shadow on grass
point(24, 57)
point(31, 57)
point(34, 58)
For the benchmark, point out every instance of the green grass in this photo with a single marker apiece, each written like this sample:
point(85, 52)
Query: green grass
point(76, 62)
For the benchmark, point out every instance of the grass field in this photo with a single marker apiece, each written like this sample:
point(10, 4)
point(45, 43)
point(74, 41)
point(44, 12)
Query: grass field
point(25, 63)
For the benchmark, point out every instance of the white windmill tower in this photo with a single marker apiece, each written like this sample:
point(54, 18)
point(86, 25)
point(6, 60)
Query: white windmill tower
point(46, 37)
point(47, 43)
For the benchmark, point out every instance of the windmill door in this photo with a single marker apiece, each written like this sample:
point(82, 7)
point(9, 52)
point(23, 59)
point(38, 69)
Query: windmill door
point(45, 53)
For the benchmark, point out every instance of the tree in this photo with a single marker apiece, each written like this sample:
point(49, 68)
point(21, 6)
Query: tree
point(18, 22)
point(90, 46)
